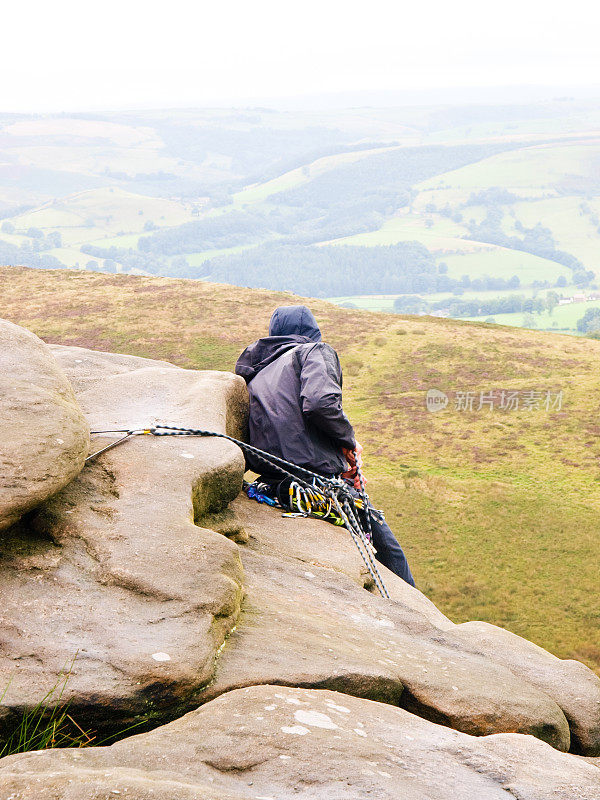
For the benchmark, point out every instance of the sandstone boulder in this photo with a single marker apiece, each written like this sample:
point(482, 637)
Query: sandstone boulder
point(303, 609)
point(574, 687)
point(136, 567)
point(275, 743)
point(43, 433)
point(113, 571)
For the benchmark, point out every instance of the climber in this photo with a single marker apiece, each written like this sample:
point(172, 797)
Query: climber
point(295, 386)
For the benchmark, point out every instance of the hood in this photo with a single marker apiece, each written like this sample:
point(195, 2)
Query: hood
point(289, 327)
point(263, 352)
point(294, 321)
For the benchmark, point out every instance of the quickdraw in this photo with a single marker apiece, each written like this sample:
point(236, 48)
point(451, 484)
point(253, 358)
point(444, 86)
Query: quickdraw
point(309, 502)
point(314, 495)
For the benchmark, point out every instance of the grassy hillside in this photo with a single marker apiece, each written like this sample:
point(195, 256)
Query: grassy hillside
point(297, 177)
point(550, 185)
point(498, 510)
point(99, 216)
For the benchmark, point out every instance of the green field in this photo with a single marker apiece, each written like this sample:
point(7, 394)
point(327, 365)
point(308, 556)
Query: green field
point(195, 259)
point(102, 217)
point(106, 210)
point(529, 171)
point(14, 238)
point(562, 318)
point(500, 262)
point(124, 240)
point(442, 234)
point(574, 230)
point(463, 256)
point(70, 255)
point(549, 177)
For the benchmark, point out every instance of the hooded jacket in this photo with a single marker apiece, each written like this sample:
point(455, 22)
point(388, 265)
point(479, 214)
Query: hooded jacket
point(295, 386)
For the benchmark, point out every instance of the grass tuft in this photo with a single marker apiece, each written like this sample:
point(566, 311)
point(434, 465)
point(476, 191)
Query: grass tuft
point(49, 724)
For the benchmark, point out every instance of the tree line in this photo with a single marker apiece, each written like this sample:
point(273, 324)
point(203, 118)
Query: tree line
point(456, 307)
point(406, 267)
point(27, 254)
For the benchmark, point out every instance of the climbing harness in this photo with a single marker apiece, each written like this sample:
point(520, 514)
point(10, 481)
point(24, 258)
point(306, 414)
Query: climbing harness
point(310, 494)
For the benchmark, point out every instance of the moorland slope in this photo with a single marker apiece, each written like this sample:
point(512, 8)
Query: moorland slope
point(497, 508)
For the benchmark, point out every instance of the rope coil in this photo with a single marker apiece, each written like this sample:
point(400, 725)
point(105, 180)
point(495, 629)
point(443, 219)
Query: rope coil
point(335, 490)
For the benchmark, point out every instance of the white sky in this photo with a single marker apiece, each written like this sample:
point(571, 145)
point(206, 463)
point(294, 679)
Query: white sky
point(78, 55)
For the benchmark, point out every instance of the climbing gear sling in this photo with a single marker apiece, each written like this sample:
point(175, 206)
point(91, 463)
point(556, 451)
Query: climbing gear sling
point(313, 489)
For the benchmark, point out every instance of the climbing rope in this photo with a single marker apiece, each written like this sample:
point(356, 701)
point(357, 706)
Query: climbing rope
point(335, 490)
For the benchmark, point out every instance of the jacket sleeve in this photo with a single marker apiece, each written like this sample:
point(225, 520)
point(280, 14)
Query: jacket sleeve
point(321, 394)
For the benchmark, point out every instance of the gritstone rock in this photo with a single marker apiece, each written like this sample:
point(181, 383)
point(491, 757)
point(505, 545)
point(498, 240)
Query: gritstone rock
point(275, 743)
point(43, 434)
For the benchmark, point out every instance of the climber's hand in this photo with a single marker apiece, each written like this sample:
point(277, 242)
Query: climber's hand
point(354, 459)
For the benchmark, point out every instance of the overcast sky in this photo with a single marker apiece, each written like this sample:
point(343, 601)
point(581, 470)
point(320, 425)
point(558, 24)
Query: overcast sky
point(78, 55)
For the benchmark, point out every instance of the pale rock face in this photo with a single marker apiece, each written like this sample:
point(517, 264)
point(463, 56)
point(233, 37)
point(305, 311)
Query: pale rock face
point(43, 433)
point(113, 571)
point(307, 625)
point(281, 743)
point(176, 593)
point(570, 683)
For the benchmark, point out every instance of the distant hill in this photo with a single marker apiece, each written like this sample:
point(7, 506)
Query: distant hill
point(497, 508)
point(498, 198)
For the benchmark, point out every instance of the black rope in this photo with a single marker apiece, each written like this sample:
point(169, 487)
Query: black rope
point(364, 497)
point(355, 528)
point(335, 489)
point(286, 468)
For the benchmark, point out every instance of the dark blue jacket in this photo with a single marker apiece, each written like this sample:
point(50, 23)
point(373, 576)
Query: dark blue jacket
point(295, 386)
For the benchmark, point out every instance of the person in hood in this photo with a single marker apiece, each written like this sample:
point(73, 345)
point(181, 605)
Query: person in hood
point(294, 381)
